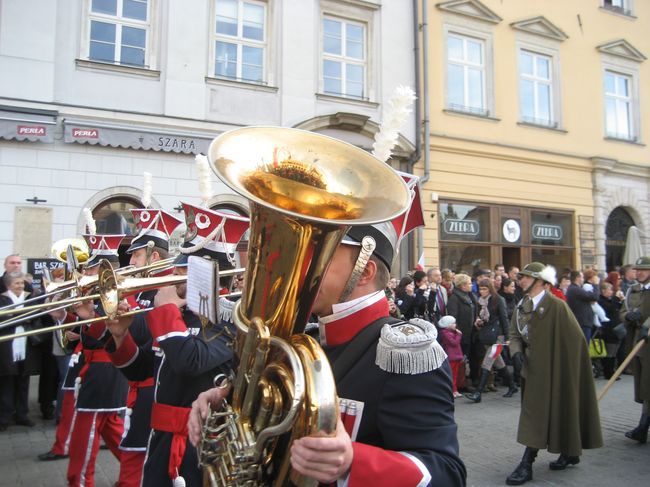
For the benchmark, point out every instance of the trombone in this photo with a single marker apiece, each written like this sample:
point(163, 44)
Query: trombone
point(112, 289)
point(80, 283)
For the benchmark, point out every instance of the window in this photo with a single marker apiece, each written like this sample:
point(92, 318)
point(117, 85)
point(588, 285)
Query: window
point(240, 39)
point(618, 106)
point(536, 88)
point(119, 32)
point(621, 6)
point(344, 58)
point(466, 74)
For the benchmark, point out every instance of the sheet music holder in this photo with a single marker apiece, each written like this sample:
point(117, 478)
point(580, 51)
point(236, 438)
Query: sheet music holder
point(202, 286)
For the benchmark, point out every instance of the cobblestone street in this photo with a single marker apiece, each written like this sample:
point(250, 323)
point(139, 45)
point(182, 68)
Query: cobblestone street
point(487, 437)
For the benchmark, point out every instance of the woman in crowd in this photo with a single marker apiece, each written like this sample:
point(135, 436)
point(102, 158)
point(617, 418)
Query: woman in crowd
point(17, 359)
point(447, 282)
point(611, 302)
point(409, 300)
point(462, 306)
point(492, 327)
point(507, 292)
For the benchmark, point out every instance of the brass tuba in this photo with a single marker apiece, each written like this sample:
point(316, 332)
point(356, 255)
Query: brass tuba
point(305, 191)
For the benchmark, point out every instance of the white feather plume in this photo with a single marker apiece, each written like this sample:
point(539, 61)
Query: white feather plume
point(399, 107)
point(549, 274)
point(203, 173)
point(90, 221)
point(146, 190)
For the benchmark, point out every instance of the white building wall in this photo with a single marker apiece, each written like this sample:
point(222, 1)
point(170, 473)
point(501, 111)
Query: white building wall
point(41, 43)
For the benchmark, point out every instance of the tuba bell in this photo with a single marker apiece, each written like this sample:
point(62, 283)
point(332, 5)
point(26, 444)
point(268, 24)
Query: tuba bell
point(305, 191)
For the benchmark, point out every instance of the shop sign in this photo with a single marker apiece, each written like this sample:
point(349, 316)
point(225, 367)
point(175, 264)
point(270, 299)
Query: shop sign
point(547, 232)
point(40, 268)
point(36, 130)
point(85, 133)
point(511, 231)
point(462, 227)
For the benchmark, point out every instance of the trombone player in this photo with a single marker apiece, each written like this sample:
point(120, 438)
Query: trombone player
point(186, 355)
point(397, 426)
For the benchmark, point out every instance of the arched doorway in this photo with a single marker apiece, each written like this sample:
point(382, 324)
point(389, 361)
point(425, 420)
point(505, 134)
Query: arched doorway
point(618, 223)
point(113, 217)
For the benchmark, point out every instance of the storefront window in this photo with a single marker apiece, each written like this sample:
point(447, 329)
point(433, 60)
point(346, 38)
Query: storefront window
point(467, 223)
point(465, 258)
point(550, 229)
point(560, 259)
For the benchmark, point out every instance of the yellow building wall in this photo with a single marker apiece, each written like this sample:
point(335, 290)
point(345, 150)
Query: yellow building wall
point(499, 161)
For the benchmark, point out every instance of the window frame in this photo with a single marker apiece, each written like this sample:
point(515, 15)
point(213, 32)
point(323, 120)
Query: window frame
point(343, 58)
point(548, 50)
point(630, 70)
point(240, 42)
point(627, 7)
point(149, 26)
point(486, 37)
point(354, 12)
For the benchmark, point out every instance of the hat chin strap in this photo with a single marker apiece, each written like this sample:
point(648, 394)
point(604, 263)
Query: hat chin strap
point(368, 246)
point(530, 288)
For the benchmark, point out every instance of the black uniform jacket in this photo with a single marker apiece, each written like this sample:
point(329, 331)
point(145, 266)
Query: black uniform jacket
point(138, 415)
point(102, 387)
point(184, 361)
point(407, 435)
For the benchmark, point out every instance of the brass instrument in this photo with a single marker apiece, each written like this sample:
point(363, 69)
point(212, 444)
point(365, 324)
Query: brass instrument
point(76, 286)
point(305, 191)
point(80, 248)
point(112, 289)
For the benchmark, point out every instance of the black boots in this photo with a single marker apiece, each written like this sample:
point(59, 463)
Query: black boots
point(640, 433)
point(563, 462)
point(507, 380)
point(476, 396)
point(524, 471)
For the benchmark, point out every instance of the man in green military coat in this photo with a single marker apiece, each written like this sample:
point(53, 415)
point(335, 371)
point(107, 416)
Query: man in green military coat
point(636, 313)
point(559, 411)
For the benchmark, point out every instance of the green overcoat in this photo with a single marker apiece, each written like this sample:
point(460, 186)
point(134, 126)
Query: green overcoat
point(639, 298)
point(559, 410)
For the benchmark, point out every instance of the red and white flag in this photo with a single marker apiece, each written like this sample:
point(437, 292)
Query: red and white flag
point(413, 217)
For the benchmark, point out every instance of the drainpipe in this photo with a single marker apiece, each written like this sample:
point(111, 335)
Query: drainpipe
point(425, 103)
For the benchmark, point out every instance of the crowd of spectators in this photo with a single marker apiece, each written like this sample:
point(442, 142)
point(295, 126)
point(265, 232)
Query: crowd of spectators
point(472, 314)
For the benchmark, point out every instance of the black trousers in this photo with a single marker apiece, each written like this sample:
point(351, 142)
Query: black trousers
point(14, 396)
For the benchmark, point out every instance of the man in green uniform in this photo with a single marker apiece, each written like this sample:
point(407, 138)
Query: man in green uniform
point(636, 313)
point(559, 411)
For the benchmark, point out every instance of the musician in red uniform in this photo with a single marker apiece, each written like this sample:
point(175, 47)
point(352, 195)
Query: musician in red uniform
point(149, 246)
point(185, 356)
point(100, 388)
point(393, 379)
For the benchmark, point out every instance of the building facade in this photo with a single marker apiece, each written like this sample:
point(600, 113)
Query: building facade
point(539, 116)
point(93, 93)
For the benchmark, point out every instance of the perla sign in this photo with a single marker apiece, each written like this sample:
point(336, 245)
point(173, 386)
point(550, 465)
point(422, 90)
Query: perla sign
point(461, 227)
point(547, 232)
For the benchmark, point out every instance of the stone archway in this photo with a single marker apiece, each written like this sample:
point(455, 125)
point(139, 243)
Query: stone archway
point(606, 200)
point(619, 222)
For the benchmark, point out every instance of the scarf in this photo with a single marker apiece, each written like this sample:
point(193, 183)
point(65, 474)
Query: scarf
point(484, 312)
point(18, 345)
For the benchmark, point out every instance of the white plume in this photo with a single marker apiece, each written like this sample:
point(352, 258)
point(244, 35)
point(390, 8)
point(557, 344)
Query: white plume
point(203, 172)
point(146, 190)
point(90, 221)
point(549, 274)
point(399, 106)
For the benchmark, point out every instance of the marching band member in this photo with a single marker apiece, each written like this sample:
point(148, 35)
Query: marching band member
point(397, 423)
point(101, 391)
point(185, 356)
point(150, 245)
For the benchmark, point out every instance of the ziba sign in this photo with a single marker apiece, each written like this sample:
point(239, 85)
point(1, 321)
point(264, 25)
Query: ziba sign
point(547, 232)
